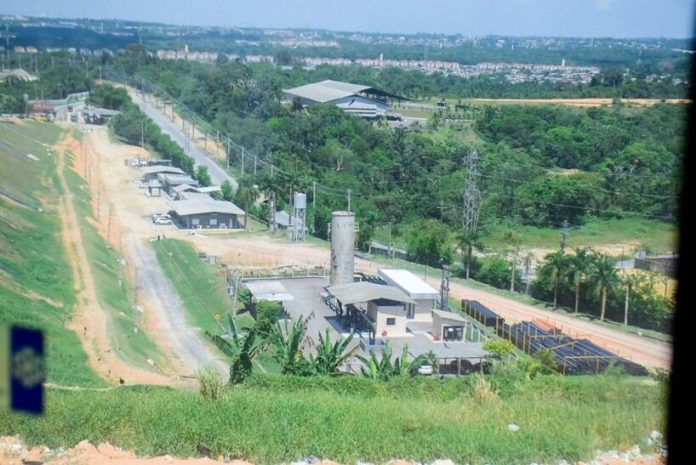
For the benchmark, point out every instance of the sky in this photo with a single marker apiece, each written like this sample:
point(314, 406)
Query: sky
point(567, 18)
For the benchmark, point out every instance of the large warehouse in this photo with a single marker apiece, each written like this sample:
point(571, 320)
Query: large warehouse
point(202, 211)
point(356, 99)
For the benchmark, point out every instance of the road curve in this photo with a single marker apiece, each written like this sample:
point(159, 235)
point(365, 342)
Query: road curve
point(217, 174)
point(156, 289)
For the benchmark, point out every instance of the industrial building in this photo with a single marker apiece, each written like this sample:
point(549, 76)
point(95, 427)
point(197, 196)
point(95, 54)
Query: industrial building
point(356, 99)
point(202, 211)
point(423, 295)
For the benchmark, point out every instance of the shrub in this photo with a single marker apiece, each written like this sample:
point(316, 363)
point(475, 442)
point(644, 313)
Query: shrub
point(482, 390)
point(211, 383)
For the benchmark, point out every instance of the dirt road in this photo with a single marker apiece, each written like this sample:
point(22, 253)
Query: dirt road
point(577, 102)
point(165, 317)
point(91, 321)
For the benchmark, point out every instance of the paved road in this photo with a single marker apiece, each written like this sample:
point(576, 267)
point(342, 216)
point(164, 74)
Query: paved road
point(156, 289)
point(217, 174)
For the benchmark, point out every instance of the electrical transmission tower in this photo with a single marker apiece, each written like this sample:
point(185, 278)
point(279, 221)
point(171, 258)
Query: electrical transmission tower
point(472, 196)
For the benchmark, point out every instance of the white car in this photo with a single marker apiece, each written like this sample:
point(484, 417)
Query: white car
point(162, 220)
point(425, 370)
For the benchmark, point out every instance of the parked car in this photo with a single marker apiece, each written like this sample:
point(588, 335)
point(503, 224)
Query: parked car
point(425, 370)
point(162, 220)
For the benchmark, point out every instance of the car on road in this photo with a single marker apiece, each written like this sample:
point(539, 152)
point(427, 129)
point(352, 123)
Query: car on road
point(162, 220)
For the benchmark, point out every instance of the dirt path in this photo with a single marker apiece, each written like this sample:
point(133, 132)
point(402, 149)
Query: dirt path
point(90, 320)
point(130, 209)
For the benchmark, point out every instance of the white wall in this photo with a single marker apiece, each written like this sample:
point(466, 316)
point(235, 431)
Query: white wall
point(379, 315)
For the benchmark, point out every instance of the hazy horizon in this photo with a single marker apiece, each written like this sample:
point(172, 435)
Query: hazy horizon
point(542, 18)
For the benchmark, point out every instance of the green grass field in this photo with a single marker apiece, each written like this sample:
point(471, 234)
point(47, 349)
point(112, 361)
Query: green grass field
point(653, 235)
point(280, 419)
point(202, 291)
point(36, 287)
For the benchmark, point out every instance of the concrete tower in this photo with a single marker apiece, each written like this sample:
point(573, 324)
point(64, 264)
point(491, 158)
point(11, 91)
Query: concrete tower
point(342, 247)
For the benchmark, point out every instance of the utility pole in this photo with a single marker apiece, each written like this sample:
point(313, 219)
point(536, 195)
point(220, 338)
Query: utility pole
point(472, 200)
point(242, 161)
point(255, 159)
point(228, 153)
point(348, 199)
point(564, 234)
point(472, 195)
point(142, 135)
point(444, 288)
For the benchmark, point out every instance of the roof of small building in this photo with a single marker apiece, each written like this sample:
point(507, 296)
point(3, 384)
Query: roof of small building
point(411, 284)
point(353, 293)
point(197, 204)
point(269, 290)
point(326, 91)
point(449, 315)
point(156, 169)
point(177, 179)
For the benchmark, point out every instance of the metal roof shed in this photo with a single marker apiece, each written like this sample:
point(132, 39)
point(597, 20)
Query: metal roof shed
point(411, 284)
point(353, 293)
point(273, 291)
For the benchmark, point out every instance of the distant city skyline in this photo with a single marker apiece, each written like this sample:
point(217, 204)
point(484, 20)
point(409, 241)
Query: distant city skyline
point(562, 18)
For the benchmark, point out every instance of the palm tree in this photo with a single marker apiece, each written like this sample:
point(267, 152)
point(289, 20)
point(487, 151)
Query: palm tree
point(331, 355)
point(246, 194)
point(513, 238)
point(558, 265)
point(288, 342)
point(527, 260)
point(579, 266)
point(468, 240)
point(605, 277)
point(629, 280)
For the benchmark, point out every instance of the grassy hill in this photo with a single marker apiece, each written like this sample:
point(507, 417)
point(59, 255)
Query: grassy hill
point(36, 287)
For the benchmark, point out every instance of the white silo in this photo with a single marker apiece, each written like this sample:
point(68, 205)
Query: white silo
point(342, 247)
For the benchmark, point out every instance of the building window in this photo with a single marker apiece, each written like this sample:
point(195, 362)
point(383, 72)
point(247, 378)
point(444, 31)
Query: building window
point(195, 221)
point(391, 321)
point(453, 333)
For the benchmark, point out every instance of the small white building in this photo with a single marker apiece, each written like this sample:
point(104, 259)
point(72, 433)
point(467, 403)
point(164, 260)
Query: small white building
point(421, 292)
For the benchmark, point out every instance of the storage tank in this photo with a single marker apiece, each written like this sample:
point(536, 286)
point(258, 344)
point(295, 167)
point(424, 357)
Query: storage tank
point(342, 247)
point(300, 201)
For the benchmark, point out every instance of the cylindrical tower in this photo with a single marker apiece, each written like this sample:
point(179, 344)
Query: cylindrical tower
point(342, 247)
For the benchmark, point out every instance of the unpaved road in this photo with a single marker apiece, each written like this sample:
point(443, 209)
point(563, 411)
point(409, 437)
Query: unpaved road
point(164, 315)
point(577, 102)
point(170, 315)
point(91, 320)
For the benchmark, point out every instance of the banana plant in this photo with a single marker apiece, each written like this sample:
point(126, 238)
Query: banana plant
point(331, 355)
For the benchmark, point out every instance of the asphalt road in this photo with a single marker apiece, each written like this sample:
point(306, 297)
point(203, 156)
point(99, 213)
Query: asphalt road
point(217, 174)
point(156, 289)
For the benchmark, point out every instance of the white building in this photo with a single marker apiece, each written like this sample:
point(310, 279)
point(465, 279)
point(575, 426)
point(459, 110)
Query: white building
point(421, 292)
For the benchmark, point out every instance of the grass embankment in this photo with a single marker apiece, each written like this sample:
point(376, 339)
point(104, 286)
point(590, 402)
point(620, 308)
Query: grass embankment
point(201, 288)
point(36, 287)
point(280, 419)
point(114, 290)
point(636, 233)
point(203, 291)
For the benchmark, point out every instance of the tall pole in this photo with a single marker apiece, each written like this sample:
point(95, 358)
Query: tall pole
point(228, 153)
point(348, 199)
point(255, 159)
point(242, 161)
point(564, 234)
